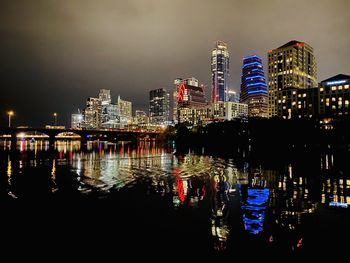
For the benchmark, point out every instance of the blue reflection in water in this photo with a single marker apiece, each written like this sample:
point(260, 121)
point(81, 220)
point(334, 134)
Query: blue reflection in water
point(253, 208)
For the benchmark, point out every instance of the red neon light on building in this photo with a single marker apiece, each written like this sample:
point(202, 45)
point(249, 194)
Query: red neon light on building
point(181, 92)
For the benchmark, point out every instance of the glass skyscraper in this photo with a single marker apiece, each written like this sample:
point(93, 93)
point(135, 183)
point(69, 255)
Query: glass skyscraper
point(253, 87)
point(220, 61)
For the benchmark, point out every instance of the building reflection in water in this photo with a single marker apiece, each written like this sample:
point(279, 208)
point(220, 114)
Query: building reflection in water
point(220, 210)
point(276, 205)
point(254, 199)
point(290, 208)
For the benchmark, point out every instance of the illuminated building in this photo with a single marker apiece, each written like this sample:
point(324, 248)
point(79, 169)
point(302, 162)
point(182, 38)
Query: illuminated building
point(190, 102)
point(232, 96)
point(110, 116)
point(159, 106)
point(76, 120)
point(292, 65)
point(297, 103)
point(189, 81)
point(253, 87)
point(92, 114)
point(226, 111)
point(105, 96)
point(335, 96)
point(141, 117)
point(220, 60)
point(125, 108)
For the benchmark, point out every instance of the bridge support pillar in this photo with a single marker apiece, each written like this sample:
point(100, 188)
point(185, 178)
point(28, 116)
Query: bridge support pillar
point(13, 145)
point(52, 142)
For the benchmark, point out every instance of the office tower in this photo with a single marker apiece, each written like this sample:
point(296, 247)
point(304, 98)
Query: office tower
point(159, 106)
point(92, 114)
point(125, 109)
point(188, 81)
point(190, 101)
point(335, 96)
point(292, 65)
point(105, 96)
point(76, 120)
point(141, 117)
point(253, 87)
point(219, 72)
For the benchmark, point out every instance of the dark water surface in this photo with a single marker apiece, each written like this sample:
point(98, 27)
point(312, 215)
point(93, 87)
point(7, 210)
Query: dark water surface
point(145, 200)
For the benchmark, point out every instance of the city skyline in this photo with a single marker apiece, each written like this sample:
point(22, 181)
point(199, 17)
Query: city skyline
point(59, 53)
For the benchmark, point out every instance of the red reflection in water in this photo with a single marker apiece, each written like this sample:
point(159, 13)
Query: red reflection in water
point(70, 155)
point(180, 187)
point(61, 155)
point(121, 151)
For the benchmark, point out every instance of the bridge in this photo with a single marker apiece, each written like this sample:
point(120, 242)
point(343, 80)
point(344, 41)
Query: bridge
point(13, 133)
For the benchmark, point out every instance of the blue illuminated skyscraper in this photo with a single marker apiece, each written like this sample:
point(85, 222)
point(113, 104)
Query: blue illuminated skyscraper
point(220, 61)
point(253, 87)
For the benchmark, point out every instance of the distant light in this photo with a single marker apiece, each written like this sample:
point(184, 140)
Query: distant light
point(338, 204)
point(336, 82)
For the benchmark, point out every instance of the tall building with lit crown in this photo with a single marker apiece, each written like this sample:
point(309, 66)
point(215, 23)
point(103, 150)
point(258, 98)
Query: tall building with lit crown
point(253, 87)
point(220, 61)
point(292, 65)
point(159, 106)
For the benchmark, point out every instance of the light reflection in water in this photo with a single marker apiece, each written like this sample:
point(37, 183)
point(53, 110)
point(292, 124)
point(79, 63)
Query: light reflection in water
point(273, 204)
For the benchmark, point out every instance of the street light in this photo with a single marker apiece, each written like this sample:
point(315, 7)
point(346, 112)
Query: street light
point(10, 114)
point(55, 118)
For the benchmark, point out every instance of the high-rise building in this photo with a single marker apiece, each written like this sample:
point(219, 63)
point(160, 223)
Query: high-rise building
point(125, 108)
point(220, 61)
point(76, 120)
point(141, 117)
point(292, 65)
point(297, 103)
point(335, 96)
point(110, 116)
point(159, 106)
point(189, 81)
point(92, 114)
point(190, 102)
point(253, 87)
point(105, 96)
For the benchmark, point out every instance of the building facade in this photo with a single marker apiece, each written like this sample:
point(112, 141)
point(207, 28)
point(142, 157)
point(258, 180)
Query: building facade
point(292, 65)
point(76, 120)
point(159, 106)
point(92, 114)
point(190, 102)
point(220, 66)
point(335, 96)
point(125, 109)
point(298, 103)
point(233, 96)
point(227, 111)
point(253, 87)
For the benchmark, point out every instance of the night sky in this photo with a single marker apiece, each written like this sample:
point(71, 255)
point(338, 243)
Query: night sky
point(55, 54)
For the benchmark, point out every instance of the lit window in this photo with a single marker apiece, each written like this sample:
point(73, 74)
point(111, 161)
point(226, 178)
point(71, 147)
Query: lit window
point(321, 89)
point(347, 103)
point(293, 103)
point(334, 88)
point(294, 92)
point(304, 95)
point(340, 87)
point(346, 86)
point(333, 99)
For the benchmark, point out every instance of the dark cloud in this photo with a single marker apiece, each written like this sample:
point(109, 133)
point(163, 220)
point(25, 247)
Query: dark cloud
point(54, 54)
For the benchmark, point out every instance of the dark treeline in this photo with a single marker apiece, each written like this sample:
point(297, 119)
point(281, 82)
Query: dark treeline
point(266, 135)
